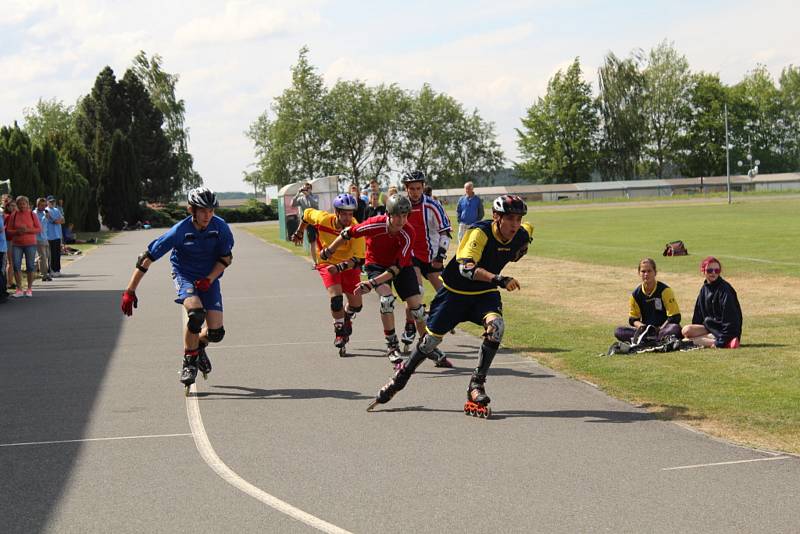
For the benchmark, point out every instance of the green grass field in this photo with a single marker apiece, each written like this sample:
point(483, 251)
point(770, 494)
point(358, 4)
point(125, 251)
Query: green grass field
point(576, 283)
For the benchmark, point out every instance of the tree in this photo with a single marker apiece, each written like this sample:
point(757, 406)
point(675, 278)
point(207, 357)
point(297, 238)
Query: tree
point(50, 120)
point(99, 115)
point(293, 144)
point(754, 111)
point(161, 87)
point(560, 130)
point(435, 139)
point(364, 127)
point(118, 192)
point(789, 122)
point(475, 151)
point(666, 80)
point(623, 124)
point(155, 162)
point(702, 147)
point(17, 163)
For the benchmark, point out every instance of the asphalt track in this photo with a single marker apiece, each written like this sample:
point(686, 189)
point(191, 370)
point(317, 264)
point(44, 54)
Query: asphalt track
point(96, 435)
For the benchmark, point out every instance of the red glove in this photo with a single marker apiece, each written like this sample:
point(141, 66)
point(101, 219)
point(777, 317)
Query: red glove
point(129, 302)
point(203, 284)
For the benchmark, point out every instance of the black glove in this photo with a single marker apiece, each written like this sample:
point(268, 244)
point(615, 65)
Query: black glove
point(501, 281)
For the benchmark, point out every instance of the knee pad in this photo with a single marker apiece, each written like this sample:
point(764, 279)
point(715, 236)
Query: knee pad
point(387, 304)
point(428, 344)
point(215, 335)
point(418, 313)
point(197, 316)
point(494, 329)
point(337, 303)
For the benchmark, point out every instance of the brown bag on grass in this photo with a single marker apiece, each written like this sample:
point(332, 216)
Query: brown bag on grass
point(676, 248)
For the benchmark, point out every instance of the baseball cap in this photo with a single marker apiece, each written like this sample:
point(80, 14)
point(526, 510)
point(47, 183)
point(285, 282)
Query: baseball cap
point(50, 198)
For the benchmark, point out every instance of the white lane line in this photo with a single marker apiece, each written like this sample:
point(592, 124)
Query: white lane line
point(91, 439)
point(727, 463)
point(229, 476)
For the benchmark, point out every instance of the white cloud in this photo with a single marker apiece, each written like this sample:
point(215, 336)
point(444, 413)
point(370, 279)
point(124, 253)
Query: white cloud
point(244, 21)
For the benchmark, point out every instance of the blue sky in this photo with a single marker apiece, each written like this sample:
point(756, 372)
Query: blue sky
point(234, 57)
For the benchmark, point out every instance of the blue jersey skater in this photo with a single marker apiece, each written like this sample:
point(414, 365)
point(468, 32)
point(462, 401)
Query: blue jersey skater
point(194, 254)
point(201, 249)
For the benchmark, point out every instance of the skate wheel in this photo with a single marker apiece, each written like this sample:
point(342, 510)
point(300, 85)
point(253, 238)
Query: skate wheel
point(205, 376)
point(406, 348)
point(342, 352)
point(186, 390)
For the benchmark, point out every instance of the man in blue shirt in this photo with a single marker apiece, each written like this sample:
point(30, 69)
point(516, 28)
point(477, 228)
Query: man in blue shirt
point(201, 247)
point(54, 219)
point(469, 209)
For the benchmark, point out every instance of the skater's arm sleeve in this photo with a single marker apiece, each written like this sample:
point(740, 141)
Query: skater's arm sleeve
point(312, 216)
point(471, 247)
point(163, 244)
point(404, 254)
point(225, 246)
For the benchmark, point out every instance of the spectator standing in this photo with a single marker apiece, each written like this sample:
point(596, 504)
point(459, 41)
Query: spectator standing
point(24, 225)
point(9, 208)
point(54, 221)
point(3, 249)
point(361, 210)
point(303, 200)
point(42, 246)
point(469, 209)
point(376, 203)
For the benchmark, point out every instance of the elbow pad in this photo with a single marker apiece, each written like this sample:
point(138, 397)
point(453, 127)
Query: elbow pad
point(467, 269)
point(140, 260)
point(345, 234)
point(225, 260)
point(357, 262)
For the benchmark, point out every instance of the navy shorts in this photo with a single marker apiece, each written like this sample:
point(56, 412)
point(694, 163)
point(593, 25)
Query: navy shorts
point(448, 309)
point(211, 299)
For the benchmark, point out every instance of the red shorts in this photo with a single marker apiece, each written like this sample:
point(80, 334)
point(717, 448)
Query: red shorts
point(348, 279)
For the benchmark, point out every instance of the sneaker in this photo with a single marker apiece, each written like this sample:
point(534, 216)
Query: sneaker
point(29, 293)
point(55, 275)
point(17, 294)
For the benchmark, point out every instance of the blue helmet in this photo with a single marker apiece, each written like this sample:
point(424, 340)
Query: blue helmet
point(345, 201)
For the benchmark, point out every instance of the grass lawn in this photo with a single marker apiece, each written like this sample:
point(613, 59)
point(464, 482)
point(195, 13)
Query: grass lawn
point(576, 283)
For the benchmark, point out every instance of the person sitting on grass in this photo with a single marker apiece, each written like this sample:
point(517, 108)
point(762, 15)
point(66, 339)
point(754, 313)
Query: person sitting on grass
point(654, 312)
point(717, 319)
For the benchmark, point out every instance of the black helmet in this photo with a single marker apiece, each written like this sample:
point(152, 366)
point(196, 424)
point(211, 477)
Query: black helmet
point(203, 197)
point(509, 205)
point(398, 205)
point(414, 176)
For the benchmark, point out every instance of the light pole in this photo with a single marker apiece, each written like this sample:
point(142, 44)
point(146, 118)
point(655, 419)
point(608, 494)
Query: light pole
point(727, 154)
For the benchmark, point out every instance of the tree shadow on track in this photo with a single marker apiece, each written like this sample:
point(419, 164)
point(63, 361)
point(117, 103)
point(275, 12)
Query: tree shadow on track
point(246, 393)
point(593, 416)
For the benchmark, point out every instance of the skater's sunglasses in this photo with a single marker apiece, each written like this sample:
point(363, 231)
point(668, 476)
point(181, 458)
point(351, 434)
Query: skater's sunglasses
point(713, 271)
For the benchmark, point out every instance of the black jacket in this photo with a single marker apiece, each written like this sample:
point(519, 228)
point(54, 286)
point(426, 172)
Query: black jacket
point(717, 308)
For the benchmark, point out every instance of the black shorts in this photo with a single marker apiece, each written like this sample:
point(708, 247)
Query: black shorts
point(405, 283)
point(425, 268)
point(448, 309)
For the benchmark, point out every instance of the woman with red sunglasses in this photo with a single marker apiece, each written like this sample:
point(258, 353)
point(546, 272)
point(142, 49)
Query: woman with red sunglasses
point(717, 320)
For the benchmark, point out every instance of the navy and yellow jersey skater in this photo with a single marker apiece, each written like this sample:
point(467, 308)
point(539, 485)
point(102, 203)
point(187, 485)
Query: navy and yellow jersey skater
point(655, 308)
point(462, 299)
